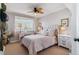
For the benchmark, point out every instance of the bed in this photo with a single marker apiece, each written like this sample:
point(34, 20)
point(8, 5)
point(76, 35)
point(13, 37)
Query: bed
point(37, 42)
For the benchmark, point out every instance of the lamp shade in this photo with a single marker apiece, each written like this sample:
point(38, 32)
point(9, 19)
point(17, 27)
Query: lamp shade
point(63, 28)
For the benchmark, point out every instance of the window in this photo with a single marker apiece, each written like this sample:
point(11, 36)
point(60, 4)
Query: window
point(23, 24)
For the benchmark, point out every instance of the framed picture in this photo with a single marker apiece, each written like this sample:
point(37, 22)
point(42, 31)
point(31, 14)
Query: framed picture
point(65, 22)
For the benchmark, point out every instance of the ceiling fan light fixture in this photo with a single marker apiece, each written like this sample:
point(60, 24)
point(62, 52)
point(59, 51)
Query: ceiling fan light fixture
point(35, 14)
point(39, 10)
point(35, 10)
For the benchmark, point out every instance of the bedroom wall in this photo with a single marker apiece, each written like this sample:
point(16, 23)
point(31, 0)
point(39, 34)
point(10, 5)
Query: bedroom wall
point(11, 22)
point(55, 18)
point(77, 22)
point(72, 8)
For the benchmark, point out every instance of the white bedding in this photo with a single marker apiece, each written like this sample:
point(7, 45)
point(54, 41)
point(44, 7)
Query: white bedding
point(37, 42)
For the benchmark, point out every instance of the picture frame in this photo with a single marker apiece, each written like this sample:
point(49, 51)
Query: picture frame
point(65, 22)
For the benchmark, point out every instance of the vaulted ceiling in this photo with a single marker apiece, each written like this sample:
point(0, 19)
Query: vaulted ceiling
point(23, 8)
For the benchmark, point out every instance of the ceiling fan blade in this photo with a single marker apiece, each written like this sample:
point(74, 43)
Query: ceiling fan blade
point(29, 11)
point(35, 11)
point(42, 12)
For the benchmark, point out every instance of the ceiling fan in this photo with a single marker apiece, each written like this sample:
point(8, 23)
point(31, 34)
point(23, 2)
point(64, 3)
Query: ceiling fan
point(37, 10)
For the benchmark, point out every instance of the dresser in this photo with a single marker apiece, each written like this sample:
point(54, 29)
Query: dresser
point(64, 40)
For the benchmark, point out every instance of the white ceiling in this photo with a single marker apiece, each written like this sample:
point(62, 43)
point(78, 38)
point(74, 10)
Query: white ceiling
point(23, 8)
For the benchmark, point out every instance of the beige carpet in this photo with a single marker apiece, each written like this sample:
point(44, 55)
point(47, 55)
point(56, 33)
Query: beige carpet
point(18, 49)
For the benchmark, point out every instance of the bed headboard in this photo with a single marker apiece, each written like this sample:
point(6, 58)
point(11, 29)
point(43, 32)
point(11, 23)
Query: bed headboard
point(50, 27)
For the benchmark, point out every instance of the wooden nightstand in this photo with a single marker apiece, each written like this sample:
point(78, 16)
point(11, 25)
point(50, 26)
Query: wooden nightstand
point(64, 41)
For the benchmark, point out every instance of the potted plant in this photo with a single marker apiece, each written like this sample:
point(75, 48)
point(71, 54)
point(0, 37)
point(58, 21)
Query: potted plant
point(3, 19)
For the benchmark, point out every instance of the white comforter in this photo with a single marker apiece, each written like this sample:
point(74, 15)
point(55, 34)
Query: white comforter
point(37, 42)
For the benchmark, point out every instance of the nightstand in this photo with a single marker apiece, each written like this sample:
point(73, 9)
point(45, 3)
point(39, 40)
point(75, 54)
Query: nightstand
point(64, 40)
point(76, 46)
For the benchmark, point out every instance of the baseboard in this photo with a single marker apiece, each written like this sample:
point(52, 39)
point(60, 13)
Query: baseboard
point(14, 41)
